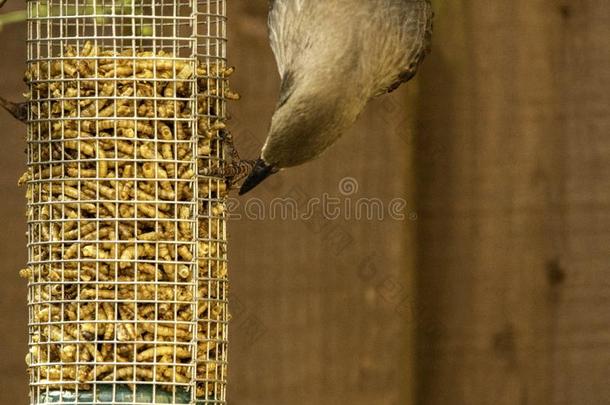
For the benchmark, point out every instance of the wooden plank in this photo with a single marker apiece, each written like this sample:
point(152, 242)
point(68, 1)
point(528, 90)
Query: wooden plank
point(513, 176)
point(13, 294)
point(332, 296)
point(582, 355)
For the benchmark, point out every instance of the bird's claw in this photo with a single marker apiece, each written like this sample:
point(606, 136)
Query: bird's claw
point(236, 169)
point(233, 172)
point(227, 138)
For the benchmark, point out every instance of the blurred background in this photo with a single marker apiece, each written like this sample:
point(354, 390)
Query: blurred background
point(492, 286)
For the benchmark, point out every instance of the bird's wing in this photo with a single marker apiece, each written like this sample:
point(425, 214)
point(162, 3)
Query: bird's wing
point(414, 38)
point(285, 31)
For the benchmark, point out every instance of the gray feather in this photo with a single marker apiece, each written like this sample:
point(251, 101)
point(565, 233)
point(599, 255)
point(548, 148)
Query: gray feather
point(333, 56)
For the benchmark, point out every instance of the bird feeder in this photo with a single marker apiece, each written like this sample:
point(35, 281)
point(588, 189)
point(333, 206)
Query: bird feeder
point(127, 269)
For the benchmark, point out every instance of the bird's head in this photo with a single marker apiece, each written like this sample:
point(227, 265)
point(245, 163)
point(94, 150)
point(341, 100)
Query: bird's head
point(311, 115)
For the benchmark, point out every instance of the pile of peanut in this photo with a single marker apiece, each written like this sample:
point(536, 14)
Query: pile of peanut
point(117, 210)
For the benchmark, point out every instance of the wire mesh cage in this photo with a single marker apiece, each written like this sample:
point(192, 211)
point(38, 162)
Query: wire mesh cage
point(127, 269)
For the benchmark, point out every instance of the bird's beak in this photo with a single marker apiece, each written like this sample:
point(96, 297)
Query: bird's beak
point(260, 172)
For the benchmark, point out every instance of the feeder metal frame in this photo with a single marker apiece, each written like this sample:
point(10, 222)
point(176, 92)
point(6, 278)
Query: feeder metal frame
point(191, 33)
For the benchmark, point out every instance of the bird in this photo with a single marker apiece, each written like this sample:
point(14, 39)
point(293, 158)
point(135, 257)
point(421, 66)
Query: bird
point(17, 110)
point(333, 57)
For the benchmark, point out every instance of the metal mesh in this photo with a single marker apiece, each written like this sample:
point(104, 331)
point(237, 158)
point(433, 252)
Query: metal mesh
point(127, 269)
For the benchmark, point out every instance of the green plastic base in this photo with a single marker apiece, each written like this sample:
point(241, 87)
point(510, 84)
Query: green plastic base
point(121, 394)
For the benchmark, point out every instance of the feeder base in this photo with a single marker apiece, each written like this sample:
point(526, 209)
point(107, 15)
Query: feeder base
point(121, 394)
